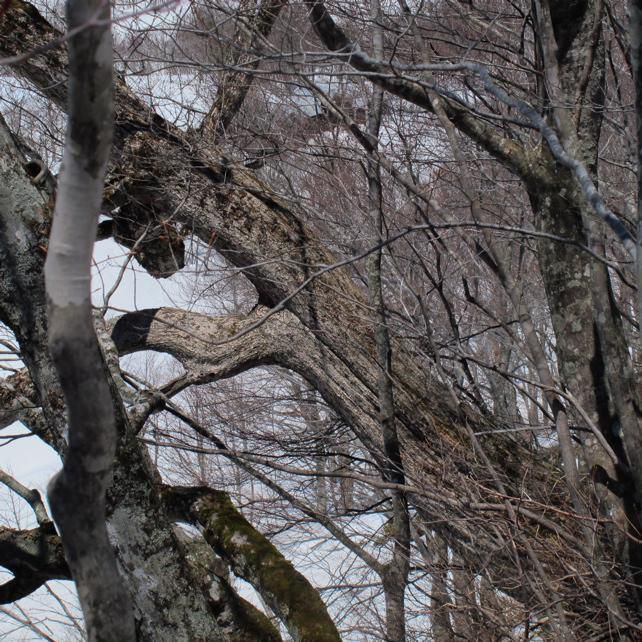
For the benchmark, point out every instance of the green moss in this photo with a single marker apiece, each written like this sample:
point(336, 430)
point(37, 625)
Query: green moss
point(254, 558)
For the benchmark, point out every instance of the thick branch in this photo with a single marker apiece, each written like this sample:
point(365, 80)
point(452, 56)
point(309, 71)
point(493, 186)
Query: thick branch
point(77, 494)
point(238, 619)
point(31, 496)
point(25, 214)
point(235, 83)
point(19, 402)
point(252, 557)
point(282, 340)
point(34, 557)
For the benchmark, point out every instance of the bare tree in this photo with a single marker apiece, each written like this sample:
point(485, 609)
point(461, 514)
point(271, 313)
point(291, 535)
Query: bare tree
point(427, 209)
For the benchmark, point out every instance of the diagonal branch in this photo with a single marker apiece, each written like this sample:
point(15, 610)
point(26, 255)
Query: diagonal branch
point(254, 558)
point(416, 92)
point(235, 83)
point(32, 497)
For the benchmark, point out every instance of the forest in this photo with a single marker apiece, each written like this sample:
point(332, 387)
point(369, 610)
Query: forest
point(331, 313)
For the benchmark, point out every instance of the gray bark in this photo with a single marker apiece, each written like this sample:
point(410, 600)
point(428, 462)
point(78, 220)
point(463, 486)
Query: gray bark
point(77, 494)
point(34, 557)
point(308, 333)
point(148, 552)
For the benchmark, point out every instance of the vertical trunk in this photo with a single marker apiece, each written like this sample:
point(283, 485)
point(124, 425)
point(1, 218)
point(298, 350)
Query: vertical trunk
point(634, 411)
point(77, 494)
point(545, 377)
point(440, 603)
point(592, 369)
point(466, 619)
point(591, 348)
point(24, 220)
point(395, 574)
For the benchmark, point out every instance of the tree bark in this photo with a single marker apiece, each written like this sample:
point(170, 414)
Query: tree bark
point(77, 494)
point(243, 219)
point(252, 557)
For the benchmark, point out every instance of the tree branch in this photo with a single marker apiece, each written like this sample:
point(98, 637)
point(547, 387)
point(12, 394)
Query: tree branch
point(388, 76)
point(252, 557)
point(34, 557)
point(234, 84)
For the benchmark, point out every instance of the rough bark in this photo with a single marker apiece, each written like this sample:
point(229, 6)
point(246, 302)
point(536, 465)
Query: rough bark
point(34, 557)
point(282, 340)
point(148, 552)
point(635, 32)
point(252, 557)
point(590, 340)
point(25, 214)
point(239, 215)
point(238, 619)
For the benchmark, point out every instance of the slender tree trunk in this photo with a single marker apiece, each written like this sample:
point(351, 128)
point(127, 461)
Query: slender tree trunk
point(395, 574)
point(77, 494)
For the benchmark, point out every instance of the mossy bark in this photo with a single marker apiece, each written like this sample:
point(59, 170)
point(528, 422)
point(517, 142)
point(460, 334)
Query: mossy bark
point(254, 558)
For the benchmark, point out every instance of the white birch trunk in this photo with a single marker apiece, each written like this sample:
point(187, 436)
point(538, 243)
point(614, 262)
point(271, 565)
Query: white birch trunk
point(77, 494)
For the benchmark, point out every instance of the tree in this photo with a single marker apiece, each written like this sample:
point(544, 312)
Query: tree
point(472, 325)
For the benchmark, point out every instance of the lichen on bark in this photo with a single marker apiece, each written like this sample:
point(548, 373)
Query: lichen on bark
point(254, 558)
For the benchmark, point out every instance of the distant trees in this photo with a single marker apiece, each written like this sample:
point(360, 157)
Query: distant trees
point(411, 355)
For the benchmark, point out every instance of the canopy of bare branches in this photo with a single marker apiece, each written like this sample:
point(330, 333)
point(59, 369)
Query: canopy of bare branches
point(388, 386)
